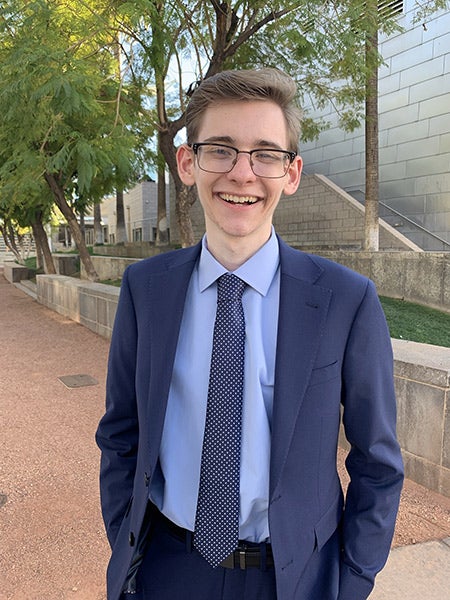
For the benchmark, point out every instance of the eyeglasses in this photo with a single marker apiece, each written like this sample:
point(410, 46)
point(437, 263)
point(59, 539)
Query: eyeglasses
point(264, 162)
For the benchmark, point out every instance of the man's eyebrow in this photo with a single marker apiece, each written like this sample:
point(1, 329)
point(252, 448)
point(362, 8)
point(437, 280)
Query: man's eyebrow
point(220, 139)
point(225, 139)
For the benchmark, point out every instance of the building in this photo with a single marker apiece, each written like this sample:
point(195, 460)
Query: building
point(414, 124)
point(141, 212)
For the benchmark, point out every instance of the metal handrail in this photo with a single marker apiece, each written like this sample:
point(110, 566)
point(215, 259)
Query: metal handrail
point(424, 229)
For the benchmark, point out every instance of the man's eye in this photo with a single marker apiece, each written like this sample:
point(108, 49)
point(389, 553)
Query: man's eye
point(216, 152)
point(267, 157)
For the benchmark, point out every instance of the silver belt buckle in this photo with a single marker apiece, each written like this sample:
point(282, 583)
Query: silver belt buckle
point(242, 561)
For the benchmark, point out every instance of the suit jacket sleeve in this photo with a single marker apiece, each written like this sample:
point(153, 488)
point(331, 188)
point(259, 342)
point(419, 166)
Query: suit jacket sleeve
point(118, 433)
point(374, 462)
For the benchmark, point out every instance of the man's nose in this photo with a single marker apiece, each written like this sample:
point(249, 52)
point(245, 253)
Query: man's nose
point(243, 166)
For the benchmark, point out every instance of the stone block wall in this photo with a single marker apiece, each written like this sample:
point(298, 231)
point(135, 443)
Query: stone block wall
point(320, 215)
point(422, 382)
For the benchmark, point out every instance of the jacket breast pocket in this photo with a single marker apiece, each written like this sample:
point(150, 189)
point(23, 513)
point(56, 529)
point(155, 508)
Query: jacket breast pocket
point(323, 395)
point(325, 373)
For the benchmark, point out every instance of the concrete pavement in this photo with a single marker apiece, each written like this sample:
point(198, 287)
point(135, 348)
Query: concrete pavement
point(419, 572)
point(53, 544)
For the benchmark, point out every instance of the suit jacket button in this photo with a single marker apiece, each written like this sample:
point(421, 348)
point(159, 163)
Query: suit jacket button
point(131, 539)
point(146, 479)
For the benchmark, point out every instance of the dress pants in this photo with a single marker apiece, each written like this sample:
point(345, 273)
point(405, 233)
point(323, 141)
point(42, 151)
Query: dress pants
point(172, 570)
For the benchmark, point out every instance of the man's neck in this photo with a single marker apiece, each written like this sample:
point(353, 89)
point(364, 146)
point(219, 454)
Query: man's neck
point(233, 254)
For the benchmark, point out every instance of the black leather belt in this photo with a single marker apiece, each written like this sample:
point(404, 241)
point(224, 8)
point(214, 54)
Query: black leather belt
point(245, 557)
point(247, 554)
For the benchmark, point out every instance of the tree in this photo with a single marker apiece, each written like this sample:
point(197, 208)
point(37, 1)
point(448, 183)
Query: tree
point(316, 42)
point(102, 79)
point(371, 220)
point(74, 134)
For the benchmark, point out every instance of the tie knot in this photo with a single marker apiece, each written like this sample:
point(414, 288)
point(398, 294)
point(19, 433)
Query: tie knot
point(230, 288)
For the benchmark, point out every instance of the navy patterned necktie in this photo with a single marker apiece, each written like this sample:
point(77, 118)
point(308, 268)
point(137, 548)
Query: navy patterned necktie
point(216, 532)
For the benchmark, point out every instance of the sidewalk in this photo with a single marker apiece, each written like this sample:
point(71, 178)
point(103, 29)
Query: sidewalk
point(52, 541)
point(419, 572)
point(53, 544)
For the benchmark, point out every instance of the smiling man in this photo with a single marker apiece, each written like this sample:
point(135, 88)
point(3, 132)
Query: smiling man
point(229, 365)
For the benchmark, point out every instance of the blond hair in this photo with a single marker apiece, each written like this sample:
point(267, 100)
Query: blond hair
point(246, 85)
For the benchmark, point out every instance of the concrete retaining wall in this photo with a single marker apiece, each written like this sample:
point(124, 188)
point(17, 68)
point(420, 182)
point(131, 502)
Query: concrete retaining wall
point(91, 304)
point(132, 249)
point(108, 267)
point(422, 378)
point(421, 277)
point(14, 272)
point(422, 382)
point(66, 264)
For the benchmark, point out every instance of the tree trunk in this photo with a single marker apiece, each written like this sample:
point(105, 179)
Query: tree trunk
point(98, 231)
point(10, 240)
point(162, 230)
point(41, 241)
point(82, 224)
point(371, 225)
point(40, 264)
point(121, 229)
point(186, 198)
point(61, 202)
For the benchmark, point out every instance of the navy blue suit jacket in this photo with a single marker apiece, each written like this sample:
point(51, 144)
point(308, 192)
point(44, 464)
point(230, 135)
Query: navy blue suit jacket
point(333, 355)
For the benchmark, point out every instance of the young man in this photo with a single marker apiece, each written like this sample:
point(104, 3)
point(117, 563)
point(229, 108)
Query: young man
point(229, 364)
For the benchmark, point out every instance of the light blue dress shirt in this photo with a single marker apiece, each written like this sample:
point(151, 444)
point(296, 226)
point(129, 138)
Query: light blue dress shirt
point(175, 489)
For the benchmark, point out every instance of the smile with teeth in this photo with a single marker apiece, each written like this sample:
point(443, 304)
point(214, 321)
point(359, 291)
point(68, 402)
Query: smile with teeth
point(232, 199)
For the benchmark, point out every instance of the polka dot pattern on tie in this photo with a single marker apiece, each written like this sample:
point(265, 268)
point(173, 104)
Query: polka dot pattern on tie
point(217, 519)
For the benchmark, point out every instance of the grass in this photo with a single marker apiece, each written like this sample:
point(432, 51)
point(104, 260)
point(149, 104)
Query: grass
point(30, 262)
point(416, 323)
point(114, 282)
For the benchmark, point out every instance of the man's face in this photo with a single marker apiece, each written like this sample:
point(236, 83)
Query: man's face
point(240, 204)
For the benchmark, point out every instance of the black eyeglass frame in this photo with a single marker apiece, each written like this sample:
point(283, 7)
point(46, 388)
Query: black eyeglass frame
point(291, 155)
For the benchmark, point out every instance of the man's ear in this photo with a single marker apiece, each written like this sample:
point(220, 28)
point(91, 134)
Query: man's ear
point(185, 164)
point(293, 176)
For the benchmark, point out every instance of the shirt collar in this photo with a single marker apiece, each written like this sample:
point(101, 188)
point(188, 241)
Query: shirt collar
point(257, 272)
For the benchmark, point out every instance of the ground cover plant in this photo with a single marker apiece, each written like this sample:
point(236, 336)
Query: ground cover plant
point(416, 323)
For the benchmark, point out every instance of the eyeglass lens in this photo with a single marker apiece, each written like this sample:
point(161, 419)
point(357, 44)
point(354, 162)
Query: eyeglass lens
point(216, 158)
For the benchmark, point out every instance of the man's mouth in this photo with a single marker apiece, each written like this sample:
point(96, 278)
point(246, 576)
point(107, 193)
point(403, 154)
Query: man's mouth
point(232, 199)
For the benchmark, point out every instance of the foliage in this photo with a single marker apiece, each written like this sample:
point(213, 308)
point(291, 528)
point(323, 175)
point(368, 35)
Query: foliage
point(73, 124)
point(69, 125)
point(85, 86)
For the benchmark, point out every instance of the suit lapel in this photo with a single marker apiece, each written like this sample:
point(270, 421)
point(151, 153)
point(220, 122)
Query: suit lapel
point(167, 294)
point(302, 314)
